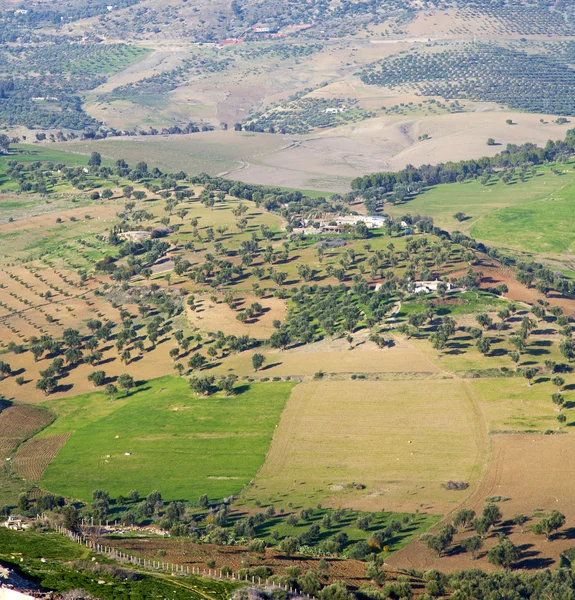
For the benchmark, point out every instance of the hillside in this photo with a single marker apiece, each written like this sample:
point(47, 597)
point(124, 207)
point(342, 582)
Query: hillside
point(373, 77)
point(287, 295)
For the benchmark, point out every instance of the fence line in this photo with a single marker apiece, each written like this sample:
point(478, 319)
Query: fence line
point(175, 569)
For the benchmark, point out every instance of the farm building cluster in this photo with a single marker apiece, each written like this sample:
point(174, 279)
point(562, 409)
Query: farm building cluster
point(337, 225)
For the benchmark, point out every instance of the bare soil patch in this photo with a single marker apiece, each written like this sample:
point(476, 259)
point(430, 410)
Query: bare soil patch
point(188, 554)
point(335, 357)
point(535, 473)
point(23, 421)
point(494, 275)
point(330, 159)
point(35, 455)
point(211, 316)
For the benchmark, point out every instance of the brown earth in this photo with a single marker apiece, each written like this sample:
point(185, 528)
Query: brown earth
point(34, 456)
point(188, 554)
point(534, 473)
point(23, 421)
point(494, 275)
point(211, 316)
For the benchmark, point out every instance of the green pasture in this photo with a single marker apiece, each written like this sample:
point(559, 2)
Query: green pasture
point(511, 405)
point(546, 226)
point(108, 59)
point(179, 443)
point(480, 202)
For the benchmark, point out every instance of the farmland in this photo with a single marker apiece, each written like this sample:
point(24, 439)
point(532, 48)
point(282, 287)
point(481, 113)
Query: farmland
point(287, 297)
point(189, 447)
point(372, 425)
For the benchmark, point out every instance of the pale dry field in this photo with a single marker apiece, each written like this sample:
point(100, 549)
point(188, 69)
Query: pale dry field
point(400, 443)
point(211, 152)
point(331, 159)
point(210, 316)
point(334, 356)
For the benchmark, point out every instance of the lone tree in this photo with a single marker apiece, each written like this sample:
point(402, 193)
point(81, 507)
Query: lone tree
point(95, 159)
point(5, 369)
point(492, 514)
point(559, 382)
point(558, 400)
point(47, 384)
point(520, 521)
point(257, 361)
point(529, 374)
point(463, 518)
point(289, 546)
point(97, 378)
point(126, 382)
point(484, 345)
point(549, 524)
point(111, 391)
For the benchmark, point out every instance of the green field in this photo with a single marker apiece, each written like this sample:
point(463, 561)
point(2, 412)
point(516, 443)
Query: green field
point(545, 226)
point(180, 444)
point(519, 214)
point(35, 153)
point(278, 527)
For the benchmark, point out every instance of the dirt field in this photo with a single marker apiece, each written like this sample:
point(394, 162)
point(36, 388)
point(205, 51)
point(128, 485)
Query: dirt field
point(329, 160)
point(535, 472)
point(17, 423)
point(210, 316)
point(495, 275)
point(190, 554)
point(34, 456)
point(23, 421)
point(390, 143)
point(385, 436)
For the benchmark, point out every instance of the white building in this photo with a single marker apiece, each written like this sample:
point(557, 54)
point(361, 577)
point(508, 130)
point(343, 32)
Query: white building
point(371, 222)
point(429, 287)
point(135, 236)
point(16, 524)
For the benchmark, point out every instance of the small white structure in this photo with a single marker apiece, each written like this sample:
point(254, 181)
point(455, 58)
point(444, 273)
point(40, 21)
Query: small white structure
point(371, 222)
point(429, 287)
point(338, 224)
point(336, 111)
point(16, 524)
point(135, 236)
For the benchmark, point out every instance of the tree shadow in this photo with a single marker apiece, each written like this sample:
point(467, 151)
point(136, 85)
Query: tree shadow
point(270, 366)
point(5, 403)
point(63, 387)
